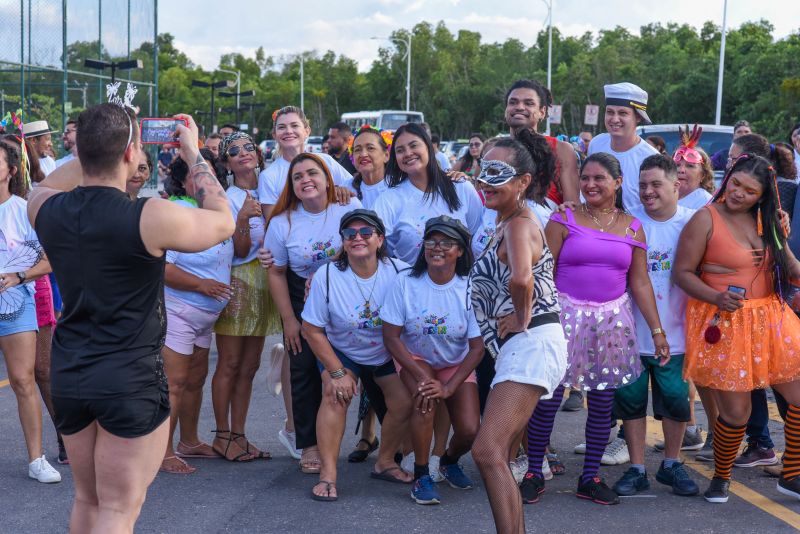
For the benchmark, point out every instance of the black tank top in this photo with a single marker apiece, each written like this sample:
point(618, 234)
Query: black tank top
point(109, 338)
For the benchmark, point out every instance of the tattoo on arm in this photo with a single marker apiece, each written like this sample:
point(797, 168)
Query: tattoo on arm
point(204, 183)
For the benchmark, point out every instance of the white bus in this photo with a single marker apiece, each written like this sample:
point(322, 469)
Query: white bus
point(385, 119)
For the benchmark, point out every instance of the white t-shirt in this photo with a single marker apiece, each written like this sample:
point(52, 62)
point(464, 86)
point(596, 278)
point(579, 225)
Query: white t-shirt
point(696, 199)
point(369, 193)
point(437, 325)
point(236, 198)
point(310, 241)
point(662, 243)
point(489, 224)
point(66, 159)
point(351, 326)
point(47, 164)
point(272, 180)
point(629, 162)
point(444, 163)
point(404, 212)
point(15, 231)
point(213, 263)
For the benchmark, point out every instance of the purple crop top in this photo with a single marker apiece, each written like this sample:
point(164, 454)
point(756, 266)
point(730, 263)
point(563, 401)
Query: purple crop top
point(593, 265)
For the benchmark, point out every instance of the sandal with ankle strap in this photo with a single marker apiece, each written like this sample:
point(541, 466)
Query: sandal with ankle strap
point(230, 439)
point(262, 455)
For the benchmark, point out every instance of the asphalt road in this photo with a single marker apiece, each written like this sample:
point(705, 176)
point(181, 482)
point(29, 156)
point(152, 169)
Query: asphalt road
point(274, 496)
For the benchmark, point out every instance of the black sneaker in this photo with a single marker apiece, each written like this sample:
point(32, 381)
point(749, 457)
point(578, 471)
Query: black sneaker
point(677, 477)
point(531, 488)
point(789, 487)
point(574, 402)
point(717, 491)
point(62, 453)
point(631, 482)
point(595, 490)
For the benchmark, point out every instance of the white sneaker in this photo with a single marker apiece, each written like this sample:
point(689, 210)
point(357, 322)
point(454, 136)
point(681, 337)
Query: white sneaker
point(612, 435)
point(581, 448)
point(519, 467)
point(546, 472)
point(616, 453)
point(287, 439)
point(41, 470)
point(276, 355)
point(407, 464)
point(433, 468)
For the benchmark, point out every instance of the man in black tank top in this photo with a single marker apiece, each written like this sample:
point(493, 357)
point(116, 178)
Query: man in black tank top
point(108, 384)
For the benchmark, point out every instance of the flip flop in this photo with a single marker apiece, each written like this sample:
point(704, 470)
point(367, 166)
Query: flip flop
point(360, 455)
point(325, 498)
point(176, 470)
point(182, 445)
point(384, 475)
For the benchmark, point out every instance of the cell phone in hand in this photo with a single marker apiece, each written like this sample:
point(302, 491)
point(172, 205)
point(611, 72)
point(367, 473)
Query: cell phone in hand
point(160, 131)
point(738, 290)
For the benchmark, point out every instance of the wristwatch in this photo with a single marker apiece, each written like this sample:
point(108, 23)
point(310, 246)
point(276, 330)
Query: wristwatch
point(657, 331)
point(21, 276)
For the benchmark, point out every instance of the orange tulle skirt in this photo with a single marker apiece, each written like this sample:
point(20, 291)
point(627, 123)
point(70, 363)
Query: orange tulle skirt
point(760, 345)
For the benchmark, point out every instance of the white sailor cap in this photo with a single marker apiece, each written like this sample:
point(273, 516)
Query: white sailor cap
point(630, 95)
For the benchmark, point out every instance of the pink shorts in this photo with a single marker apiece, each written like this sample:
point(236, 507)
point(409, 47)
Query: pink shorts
point(45, 316)
point(187, 327)
point(444, 374)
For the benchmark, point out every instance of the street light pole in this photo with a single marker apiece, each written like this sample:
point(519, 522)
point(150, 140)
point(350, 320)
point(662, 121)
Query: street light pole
point(407, 42)
point(238, 94)
point(549, 4)
point(100, 65)
point(721, 73)
point(238, 75)
point(219, 84)
point(302, 83)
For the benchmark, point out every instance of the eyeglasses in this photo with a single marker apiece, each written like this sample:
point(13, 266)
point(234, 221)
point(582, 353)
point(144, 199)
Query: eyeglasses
point(235, 150)
point(349, 234)
point(475, 145)
point(444, 244)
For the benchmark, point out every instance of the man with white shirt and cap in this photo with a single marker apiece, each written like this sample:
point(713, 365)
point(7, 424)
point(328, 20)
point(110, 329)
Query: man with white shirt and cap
point(626, 108)
point(38, 132)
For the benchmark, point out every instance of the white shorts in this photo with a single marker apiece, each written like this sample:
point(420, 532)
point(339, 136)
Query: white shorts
point(187, 326)
point(537, 356)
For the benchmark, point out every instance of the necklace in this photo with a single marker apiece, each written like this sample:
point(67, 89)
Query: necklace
point(606, 211)
point(367, 307)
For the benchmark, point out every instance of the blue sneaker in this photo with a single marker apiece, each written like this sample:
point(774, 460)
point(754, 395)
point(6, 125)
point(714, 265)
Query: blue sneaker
point(424, 491)
point(677, 477)
point(631, 482)
point(455, 476)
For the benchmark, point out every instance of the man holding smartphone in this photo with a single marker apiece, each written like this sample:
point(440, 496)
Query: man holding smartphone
point(662, 220)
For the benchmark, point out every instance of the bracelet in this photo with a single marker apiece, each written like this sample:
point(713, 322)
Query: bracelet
point(657, 331)
point(245, 230)
point(338, 373)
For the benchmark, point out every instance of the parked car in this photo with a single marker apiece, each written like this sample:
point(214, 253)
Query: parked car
point(452, 149)
point(314, 144)
point(714, 138)
point(268, 147)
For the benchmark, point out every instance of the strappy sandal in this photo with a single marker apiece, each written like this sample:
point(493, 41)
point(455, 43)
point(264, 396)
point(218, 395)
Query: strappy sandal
point(556, 465)
point(181, 469)
point(328, 487)
point(360, 455)
point(260, 455)
point(243, 457)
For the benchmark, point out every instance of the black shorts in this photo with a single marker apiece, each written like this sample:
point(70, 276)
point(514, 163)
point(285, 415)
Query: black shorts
point(131, 416)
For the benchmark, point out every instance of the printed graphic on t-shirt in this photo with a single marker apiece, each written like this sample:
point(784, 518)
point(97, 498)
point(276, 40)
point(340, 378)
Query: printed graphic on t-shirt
point(369, 318)
point(321, 250)
point(434, 325)
point(659, 260)
point(486, 236)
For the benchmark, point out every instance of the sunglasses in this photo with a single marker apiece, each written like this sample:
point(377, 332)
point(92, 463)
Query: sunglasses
point(444, 244)
point(349, 234)
point(235, 150)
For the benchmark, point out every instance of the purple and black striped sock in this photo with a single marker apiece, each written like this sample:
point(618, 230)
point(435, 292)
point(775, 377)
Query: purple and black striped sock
point(598, 426)
point(540, 426)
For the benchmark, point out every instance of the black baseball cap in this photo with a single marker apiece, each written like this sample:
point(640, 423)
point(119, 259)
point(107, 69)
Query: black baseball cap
point(360, 214)
point(450, 227)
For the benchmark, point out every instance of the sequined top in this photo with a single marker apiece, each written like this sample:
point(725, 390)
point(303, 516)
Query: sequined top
point(593, 265)
point(491, 299)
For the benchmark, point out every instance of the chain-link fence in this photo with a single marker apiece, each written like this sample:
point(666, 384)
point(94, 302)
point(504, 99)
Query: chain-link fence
point(46, 43)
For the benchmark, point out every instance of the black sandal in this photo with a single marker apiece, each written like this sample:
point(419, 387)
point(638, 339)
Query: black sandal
point(230, 440)
point(360, 455)
point(262, 455)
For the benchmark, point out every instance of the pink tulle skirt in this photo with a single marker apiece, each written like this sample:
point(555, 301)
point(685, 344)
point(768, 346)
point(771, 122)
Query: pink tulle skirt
point(45, 316)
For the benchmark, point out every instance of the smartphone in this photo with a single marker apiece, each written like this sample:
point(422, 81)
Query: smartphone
point(160, 131)
point(736, 289)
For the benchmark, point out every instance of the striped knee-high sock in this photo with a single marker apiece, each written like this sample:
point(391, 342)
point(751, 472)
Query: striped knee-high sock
point(540, 426)
point(598, 425)
point(727, 439)
point(791, 430)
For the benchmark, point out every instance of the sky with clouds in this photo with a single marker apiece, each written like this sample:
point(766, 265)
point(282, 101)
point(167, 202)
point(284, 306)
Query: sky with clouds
point(285, 28)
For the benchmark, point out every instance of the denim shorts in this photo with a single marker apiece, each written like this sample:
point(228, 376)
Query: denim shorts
point(359, 369)
point(25, 321)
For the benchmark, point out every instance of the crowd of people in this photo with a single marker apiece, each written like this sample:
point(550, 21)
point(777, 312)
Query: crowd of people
point(456, 307)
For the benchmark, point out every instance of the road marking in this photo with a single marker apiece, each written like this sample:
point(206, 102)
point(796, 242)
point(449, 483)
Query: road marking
point(4, 383)
point(740, 490)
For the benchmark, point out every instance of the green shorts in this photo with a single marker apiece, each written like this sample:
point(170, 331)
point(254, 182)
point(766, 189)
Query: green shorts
point(670, 392)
